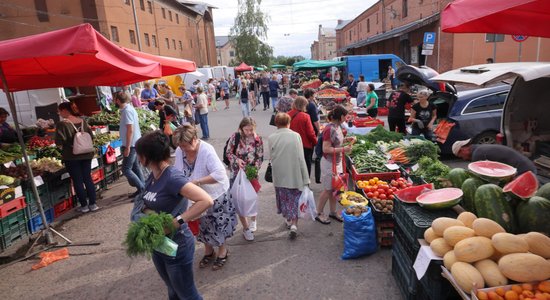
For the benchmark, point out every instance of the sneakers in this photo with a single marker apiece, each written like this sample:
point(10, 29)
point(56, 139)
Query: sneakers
point(93, 207)
point(83, 209)
point(288, 224)
point(252, 226)
point(248, 235)
point(293, 232)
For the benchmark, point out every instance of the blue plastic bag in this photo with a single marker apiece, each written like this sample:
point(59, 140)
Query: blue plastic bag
point(359, 235)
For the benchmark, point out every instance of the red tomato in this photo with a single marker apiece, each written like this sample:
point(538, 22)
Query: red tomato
point(391, 197)
point(375, 187)
point(369, 195)
point(402, 185)
point(375, 194)
point(381, 191)
point(383, 196)
point(394, 183)
point(394, 189)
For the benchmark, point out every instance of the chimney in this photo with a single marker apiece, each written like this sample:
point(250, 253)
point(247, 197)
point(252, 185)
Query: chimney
point(340, 22)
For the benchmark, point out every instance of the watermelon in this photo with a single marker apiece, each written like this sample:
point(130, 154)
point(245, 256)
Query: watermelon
point(491, 203)
point(544, 191)
point(469, 188)
point(457, 176)
point(440, 199)
point(524, 186)
point(533, 215)
point(492, 171)
point(409, 194)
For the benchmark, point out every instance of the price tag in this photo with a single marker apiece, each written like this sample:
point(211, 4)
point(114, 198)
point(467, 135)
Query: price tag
point(38, 181)
point(371, 152)
point(65, 176)
point(415, 167)
point(9, 164)
point(95, 163)
point(388, 156)
point(423, 259)
point(117, 151)
point(392, 167)
point(18, 192)
point(153, 127)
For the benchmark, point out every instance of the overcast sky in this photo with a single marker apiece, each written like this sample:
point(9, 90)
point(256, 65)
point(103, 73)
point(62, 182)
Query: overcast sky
point(299, 19)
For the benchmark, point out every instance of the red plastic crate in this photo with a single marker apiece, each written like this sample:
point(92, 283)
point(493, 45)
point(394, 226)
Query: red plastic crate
point(98, 175)
point(63, 207)
point(383, 111)
point(387, 176)
point(367, 122)
point(12, 206)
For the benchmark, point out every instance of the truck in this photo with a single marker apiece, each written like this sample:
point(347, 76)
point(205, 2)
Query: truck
point(373, 66)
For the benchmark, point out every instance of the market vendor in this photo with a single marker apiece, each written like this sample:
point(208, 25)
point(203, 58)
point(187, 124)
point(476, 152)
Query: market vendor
point(499, 153)
point(7, 133)
point(149, 94)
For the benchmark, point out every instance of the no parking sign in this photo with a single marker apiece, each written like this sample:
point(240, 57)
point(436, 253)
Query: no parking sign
point(519, 38)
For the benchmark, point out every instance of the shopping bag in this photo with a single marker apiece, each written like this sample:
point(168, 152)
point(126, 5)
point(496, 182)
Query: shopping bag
point(244, 196)
point(359, 235)
point(110, 155)
point(47, 258)
point(339, 180)
point(306, 205)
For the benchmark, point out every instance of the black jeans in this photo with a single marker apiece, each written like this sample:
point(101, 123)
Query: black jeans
point(373, 112)
point(308, 154)
point(265, 97)
point(80, 171)
point(399, 122)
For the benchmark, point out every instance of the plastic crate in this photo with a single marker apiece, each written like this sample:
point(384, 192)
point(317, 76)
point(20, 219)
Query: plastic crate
point(384, 233)
point(108, 169)
point(36, 223)
point(97, 176)
point(410, 247)
point(387, 176)
point(16, 233)
point(433, 286)
point(383, 111)
point(404, 274)
point(32, 203)
point(60, 194)
point(63, 207)
point(116, 143)
point(12, 206)
point(15, 219)
point(111, 178)
point(414, 220)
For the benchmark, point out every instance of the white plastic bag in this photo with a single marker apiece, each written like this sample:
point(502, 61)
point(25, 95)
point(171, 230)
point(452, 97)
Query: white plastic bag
point(244, 196)
point(306, 205)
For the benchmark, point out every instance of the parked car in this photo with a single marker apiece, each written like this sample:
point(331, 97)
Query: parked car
point(476, 113)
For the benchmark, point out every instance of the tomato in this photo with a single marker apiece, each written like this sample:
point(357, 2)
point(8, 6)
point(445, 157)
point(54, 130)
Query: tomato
point(385, 186)
point(391, 197)
point(383, 196)
point(381, 191)
point(375, 187)
point(409, 184)
point(372, 182)
point(394, 183)
point(402, 185)
point(375, 194)
point(375, 179)
point(369, 195)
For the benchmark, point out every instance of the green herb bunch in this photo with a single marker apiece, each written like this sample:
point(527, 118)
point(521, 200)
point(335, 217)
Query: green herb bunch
point(147, 234)
point(251, 172)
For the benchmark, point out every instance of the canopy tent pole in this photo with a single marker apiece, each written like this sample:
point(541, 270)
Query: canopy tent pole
point(46, 230)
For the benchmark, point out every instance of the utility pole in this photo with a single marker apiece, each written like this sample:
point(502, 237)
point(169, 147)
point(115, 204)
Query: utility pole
point(138, 37)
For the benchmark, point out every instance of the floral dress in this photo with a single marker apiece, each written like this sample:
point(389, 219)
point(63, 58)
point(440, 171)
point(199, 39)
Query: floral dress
point(250, 153)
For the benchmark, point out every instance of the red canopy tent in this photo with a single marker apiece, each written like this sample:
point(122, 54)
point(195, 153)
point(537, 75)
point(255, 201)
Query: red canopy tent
point(243, 68)
point(514, 17)
point(169, 65)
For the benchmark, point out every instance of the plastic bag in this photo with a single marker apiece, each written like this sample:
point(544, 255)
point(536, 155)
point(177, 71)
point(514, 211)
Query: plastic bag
point(306, 205)
point(47, 258)
point(359, 235)
point(244, 196)
point(168, 247)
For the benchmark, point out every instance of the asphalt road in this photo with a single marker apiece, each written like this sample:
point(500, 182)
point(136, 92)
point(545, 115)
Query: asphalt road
point(271, 267)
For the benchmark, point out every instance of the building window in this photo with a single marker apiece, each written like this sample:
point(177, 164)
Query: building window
point(167, 43)
point(147, 43)
point(177, 18)
point(493, 38)
point(163, 13)
point(170, 15)
point(188, 21)
point(376, 18)
point(191, 43)
point(405, 9)
point(181, 45)
point(368, 25)
point(174, 43)
point(350, 35)
point(150, 7)
point(127, 2)
point(154, 38)
point(232, 53)
point(41, 10)
point(142, 4)
point(114, 34)
point(132, 37)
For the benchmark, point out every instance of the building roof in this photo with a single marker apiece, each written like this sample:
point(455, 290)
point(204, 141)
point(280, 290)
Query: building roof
point(221, 40)
point(342, 24)
point(393, 33)
point(196, 6)
point(328, 32)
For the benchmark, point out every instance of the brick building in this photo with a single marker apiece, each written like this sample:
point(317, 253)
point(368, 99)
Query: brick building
point(175, 28)
point(398, 27)
point(225, 51)
point(325, 46)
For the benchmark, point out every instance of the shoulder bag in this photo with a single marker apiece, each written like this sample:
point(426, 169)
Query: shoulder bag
point(82, 141)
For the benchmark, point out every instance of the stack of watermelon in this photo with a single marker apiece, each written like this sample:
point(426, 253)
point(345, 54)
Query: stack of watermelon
point(519, 206)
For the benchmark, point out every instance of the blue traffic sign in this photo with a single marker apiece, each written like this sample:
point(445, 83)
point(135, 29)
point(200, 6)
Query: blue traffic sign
point(519, 38)
point(429, 37)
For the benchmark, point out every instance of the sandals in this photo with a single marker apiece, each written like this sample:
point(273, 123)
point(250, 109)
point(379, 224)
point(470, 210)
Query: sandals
point(335, 217)
point(206, 260)
point(322, 221)
point(220, 262)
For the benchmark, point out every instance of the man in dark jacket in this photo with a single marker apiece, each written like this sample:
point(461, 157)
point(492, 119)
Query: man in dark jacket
point(351, 84)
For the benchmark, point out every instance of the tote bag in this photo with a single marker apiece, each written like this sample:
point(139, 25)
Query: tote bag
point(82, 141)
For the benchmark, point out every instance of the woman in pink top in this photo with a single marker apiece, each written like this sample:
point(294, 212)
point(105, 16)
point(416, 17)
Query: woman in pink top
point(135, 98)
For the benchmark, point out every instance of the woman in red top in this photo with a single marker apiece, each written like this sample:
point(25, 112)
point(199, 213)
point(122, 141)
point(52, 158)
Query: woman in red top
point(301, 124)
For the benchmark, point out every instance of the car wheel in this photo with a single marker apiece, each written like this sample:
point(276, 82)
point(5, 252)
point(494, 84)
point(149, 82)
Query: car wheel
point(486, 138)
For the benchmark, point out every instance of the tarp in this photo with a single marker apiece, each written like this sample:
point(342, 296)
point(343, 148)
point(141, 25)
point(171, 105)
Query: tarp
point(243, 67)
point(278, 66)
point(75, 56)
point(317, 64)
point(514, 17)
point(169, 65)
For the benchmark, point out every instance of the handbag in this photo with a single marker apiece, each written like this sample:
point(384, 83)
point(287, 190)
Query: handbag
point(268, 173)
point(82, 141)
point(339, 180)
point(272, 120)
point(110, 155)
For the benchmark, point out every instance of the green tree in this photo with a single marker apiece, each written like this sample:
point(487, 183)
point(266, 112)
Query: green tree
point(249, 33)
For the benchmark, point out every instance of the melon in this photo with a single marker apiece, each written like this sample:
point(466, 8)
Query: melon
point(544, 191)
point(467, 276)
point(469, 188)
point(524, 267)
point(457, 176)
point(440, 224)
point(440, 247)
point(440, 199)
point(429, 235)
point(539, 243)
point(455, 234)
point(524, 186)
point(473, 249)
point(492, 171)
point(490, 203)
point(449, 259)
point(486, 227)
point(409, 194)
point(491, 273)
point(467, 218)
point(507, 243)
point(533, 215)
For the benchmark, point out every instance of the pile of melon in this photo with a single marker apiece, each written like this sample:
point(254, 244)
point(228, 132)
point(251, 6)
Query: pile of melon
point(479, 252)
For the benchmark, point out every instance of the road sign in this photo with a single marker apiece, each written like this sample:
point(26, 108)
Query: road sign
point(429, 38)
point(427, 52)
point(428, 46)
point(519, 38)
